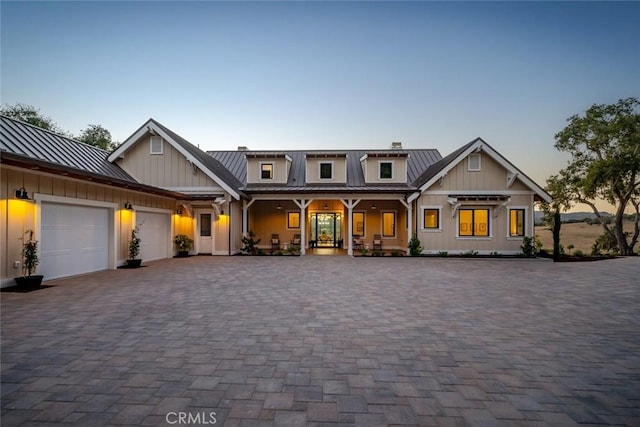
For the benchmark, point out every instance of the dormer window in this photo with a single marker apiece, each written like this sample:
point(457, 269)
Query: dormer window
point(386, 170)
point(266, 170)
point(474, 162)
point(326, 170)
point(156, 145)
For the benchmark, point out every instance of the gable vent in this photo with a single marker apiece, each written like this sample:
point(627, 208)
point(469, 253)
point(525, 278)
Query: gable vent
point(156, 145)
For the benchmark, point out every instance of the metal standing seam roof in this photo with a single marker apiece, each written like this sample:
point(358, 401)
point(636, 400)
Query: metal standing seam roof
point(23, 139)
point(418, 161)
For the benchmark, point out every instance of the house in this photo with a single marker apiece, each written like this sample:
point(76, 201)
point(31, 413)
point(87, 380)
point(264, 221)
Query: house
point(82, 202)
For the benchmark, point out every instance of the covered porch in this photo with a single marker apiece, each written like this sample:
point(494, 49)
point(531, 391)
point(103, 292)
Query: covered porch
point(326, 221)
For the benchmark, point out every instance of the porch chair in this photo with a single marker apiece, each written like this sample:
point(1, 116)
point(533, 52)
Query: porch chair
point(275, 242)
point(357, 242)
point(295, 242)
point(377, 242)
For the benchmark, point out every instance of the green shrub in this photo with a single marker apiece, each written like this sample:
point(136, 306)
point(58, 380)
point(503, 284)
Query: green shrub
point(443, 253)
point(377, 253)
point(415, 247)
point(578, 253)
point(250, 244)
point(134, 244)
point(396, 252)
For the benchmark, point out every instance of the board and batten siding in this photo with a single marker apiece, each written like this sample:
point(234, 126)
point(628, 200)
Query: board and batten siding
point(167, 170)
point(17, 216)
point(490, 179)
point(280, 170)
point(339, 170)
point(372, 174)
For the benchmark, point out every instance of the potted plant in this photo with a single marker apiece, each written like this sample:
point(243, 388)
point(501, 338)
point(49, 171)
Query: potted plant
point(30, 261)
point(184, 244)
point(134, 249)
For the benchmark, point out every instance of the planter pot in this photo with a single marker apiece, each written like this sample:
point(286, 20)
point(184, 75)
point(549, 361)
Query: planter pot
point(134, 263)
point(183, 254)
point(29, 282)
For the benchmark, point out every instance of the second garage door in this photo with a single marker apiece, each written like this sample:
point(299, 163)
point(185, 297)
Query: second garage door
point(154, 233)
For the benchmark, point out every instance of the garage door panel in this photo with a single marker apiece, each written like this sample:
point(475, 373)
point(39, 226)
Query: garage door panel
point(75, 239)
point(154, 234)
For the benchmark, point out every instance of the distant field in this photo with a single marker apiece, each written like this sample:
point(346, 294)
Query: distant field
point(579, 234)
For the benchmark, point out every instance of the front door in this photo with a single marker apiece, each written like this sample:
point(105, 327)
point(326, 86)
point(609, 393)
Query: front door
point(204, 232)
point(325, 229)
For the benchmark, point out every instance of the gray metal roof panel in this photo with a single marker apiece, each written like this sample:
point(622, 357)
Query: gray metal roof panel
point(27, 140)
point(433, 170)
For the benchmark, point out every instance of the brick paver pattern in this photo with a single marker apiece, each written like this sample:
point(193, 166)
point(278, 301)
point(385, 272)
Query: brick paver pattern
point(328, 340)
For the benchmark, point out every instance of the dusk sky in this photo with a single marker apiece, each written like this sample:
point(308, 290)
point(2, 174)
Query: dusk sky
point(293, 75)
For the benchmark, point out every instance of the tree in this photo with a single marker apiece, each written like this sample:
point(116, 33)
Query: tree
point(32, 115)
point(98, 136)
point(605, 148)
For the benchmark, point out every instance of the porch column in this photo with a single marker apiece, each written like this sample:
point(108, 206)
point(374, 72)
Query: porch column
point(245, 216)
point(409, 207)
point(350, 204)
point(303, 204)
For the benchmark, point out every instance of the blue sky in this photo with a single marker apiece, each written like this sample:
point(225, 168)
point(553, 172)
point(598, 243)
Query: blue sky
point(292, 75)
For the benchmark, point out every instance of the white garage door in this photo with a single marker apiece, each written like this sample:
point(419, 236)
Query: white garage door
point(75, 240)
point(154, 233)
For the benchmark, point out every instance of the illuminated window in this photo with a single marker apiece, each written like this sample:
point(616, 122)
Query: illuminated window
point(473, 222)
point(326, 170)
point(293, 219)
point(389, 224)
point(358, 223)
point(516, 222)
point(266, 171)
point(386, 170)
point(432, 218)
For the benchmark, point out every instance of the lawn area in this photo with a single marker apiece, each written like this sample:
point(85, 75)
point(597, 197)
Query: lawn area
point(579, 234)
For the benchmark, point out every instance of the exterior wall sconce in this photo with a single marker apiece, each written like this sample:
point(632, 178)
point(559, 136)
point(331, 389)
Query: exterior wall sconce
point(179, 211)
point(221, 211)
point(128, 206)
point(21, 193)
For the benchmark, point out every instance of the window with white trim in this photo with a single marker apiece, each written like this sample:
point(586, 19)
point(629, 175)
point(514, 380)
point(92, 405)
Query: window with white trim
point(431, 218)
point(385, 170)
point(155, 145)
point(326, 170)
point(293, 219)
point(473, 222)
point(474, 162)
point(516, 222)
point(266, 170)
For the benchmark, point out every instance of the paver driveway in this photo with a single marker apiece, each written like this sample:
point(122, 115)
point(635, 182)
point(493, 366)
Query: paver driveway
point(319, 340)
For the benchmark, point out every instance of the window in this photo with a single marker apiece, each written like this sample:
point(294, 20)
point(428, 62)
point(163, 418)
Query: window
point(386, 170)
point(326, 170)
point(266, 171)
point(156, 145)
point(205, 225)
point(358, 223)
point(431, 218)
point(388, 224)
point(293, 219)
point(473, 222)
point(474, 162)
point(516, 222)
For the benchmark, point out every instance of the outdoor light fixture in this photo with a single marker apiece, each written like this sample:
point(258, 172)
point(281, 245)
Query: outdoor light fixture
point(179, 211)
point(326, 206)
point(373, 206)
point(128, 206)
point(221, 211)
point(21, 193)
point(278, 207)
